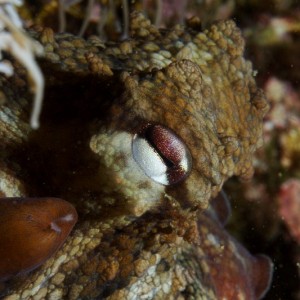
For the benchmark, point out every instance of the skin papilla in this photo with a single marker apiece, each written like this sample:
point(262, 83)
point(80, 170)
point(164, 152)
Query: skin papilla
point(134, 236)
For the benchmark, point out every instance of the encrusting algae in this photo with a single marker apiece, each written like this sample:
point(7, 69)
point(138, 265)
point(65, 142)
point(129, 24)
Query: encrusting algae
point(135, 237)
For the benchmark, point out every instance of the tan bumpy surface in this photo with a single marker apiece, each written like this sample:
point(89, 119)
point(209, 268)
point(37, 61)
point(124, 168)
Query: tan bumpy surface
point(135, 238)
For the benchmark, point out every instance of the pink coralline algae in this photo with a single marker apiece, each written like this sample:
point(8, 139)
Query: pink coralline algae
point(289, 206)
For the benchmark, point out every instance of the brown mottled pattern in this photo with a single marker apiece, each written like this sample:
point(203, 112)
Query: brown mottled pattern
point(134, 238)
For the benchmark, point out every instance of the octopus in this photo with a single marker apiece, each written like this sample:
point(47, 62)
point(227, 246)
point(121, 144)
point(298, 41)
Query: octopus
point(139, 136)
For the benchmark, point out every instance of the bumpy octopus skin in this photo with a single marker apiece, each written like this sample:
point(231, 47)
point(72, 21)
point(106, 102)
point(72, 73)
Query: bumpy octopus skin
point(136, 238)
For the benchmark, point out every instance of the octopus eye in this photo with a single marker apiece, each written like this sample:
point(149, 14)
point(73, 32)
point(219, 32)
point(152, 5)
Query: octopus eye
point(161, 154)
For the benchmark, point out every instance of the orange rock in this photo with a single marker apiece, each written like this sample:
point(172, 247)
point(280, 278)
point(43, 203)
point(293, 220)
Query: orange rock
point(31, 231)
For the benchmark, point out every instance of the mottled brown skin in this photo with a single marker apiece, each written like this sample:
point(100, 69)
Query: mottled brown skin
point(134, 237)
